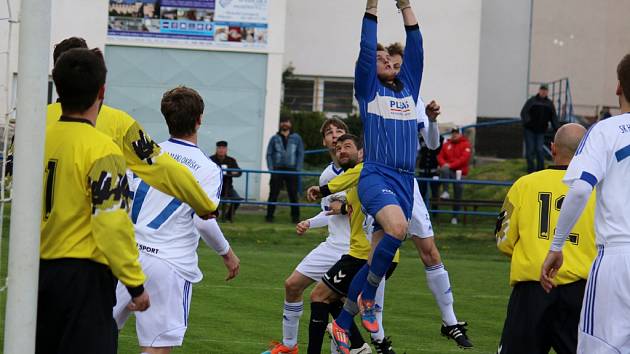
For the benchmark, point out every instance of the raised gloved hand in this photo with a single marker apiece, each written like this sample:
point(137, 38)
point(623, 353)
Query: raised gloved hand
point(371, 4)
point(403, 4)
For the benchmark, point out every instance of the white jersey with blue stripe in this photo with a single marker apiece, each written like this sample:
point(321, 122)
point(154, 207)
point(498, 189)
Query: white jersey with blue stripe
point(338, 225)
point(388, 111)
point(603, 160)
point(164, 225)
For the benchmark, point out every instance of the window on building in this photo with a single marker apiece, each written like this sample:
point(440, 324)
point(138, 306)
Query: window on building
point(338, 96)
point(298, 94)
point(319, 94)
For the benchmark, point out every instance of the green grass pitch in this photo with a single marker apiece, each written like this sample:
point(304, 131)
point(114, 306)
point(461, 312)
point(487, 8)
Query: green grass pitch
point(243, 315)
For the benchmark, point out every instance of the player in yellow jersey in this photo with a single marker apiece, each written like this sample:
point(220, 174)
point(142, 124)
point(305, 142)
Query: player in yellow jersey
point(87, 239)
point(336, 282)
point(537, 321)
point(142, 155)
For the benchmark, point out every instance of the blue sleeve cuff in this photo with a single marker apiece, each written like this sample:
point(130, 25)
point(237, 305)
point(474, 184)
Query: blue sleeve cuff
point(589, 178)
point(370, 17)
point(415, 27)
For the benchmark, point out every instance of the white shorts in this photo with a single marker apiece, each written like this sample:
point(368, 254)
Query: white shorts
point(420, 223)
point(319, 261)
point(604, 326)
point(164, 323)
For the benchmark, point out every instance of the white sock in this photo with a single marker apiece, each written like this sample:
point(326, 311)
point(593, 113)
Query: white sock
point(440, 285)
point(333, 348)
point(291, 322)
point(380, 303)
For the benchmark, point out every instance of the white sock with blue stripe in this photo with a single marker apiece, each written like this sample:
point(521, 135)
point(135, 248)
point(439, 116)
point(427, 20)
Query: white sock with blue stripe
point(380, 303)
point(440, 286)
point(291, 322)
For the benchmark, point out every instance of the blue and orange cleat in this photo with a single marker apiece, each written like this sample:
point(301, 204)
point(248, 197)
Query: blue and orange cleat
point(339, 337)
point(279, 348)
point(367, 309)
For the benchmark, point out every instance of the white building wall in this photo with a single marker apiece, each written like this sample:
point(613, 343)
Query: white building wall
point(322, 39)
point(504, 57)
point(87, 19)
point(583, 40)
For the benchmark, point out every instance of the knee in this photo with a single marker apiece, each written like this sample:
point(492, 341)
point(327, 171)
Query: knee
point(398, 230)
point(292, 287)
point(430, 257)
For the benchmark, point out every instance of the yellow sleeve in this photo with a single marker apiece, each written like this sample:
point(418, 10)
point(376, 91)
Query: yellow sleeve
point(162, 172)
point(506, 230)
point(111, 228)
point(347, 180)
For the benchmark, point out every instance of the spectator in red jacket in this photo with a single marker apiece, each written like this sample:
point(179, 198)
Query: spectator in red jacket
point(453, 161)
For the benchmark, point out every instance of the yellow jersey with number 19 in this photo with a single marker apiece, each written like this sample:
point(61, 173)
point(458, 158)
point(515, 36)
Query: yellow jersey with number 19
point(85, 200)
point(526, 225)
point(145, 158)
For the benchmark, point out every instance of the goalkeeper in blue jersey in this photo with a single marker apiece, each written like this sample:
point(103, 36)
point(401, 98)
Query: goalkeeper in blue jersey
point(387, 104)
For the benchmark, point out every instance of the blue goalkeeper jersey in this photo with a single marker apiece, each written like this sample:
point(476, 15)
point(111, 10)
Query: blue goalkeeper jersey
point(388, 112)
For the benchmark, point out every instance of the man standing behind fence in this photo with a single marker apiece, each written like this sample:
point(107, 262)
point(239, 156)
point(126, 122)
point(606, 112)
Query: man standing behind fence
point(228, 192)
point(536, 115)
point(285, 152)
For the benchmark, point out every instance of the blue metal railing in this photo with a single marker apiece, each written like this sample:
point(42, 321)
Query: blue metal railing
point(429, 181)
point(315, 151)
point(247, 200)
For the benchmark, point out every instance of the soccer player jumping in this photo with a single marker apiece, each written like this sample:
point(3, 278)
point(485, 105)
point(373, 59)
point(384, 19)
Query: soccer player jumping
point(388, 111)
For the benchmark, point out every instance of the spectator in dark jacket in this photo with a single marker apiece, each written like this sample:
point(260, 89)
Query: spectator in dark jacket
point(228, 192)
point(453, 160)
point(428, 167)
point(285, 152)
point(536, 115)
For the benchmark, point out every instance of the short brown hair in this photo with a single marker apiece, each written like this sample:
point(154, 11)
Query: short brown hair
point(623, 74)
point(396, 49)
point(334, 121)
point(355, 139)
point(181, 107)
point(380, 47)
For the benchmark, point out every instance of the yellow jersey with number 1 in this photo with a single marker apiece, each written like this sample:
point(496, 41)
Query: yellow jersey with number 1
point(85, 201)
point(526, 225)
point(144, 157)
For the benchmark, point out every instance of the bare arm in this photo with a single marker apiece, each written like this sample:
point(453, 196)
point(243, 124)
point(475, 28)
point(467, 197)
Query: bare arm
point(409, 18)
point(371, 7)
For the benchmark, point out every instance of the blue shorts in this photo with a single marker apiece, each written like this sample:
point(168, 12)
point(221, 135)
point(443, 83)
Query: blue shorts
point(380, 186)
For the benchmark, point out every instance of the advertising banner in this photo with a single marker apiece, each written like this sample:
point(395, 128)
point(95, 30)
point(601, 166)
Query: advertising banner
point(207, 23)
